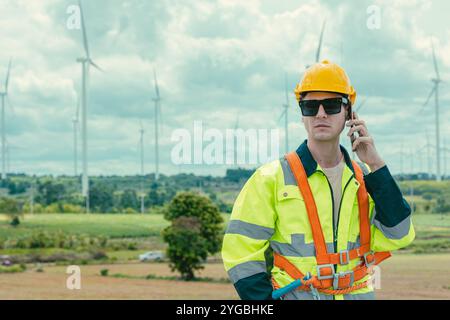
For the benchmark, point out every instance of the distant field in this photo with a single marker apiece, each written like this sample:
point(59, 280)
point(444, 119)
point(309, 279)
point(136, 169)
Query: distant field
point(112, 225)
point(136, 225)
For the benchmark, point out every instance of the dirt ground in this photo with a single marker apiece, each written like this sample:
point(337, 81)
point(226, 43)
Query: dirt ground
point(402, 277)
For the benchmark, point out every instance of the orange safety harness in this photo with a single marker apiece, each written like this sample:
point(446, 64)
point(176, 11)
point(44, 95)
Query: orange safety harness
point(326, 280)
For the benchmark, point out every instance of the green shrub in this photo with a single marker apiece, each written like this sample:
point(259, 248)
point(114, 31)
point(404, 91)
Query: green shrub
point(12, 269)
point(132, 246)
point(104, 272)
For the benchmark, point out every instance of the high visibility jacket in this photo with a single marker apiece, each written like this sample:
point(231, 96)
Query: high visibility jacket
point(270, 211)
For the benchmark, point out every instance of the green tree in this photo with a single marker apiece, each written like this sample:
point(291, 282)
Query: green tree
point(49, 192)
point(12, 208)
point(129, 199)
point(154, 197)
point(195, 232)
point(187, 249)
point(101, 197)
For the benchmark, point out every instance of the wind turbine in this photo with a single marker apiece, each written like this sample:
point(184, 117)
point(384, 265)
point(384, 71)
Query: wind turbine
point(285, 115)
point(320, 42)
point(75, 121)
point(8, 148)
point(86, 62)
point(319, 46)
point(141, 142)
point(3, 94)
point(361, 105)
point(435, 91)
point(157, 101)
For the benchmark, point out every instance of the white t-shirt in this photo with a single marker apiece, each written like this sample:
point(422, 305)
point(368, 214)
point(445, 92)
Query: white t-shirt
point(334, 176)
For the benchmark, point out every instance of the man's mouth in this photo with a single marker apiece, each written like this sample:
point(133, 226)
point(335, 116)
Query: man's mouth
point(321, 125)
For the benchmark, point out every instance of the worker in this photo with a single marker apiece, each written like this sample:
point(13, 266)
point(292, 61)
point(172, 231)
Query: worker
point(324, 219)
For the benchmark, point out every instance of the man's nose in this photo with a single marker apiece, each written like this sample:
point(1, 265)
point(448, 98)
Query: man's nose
point(321, 113)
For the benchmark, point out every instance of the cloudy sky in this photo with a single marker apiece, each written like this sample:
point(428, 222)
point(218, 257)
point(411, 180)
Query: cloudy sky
point(218, 62)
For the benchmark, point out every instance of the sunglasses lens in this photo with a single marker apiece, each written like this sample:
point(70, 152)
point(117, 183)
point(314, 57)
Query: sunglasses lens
point(310, 108)
point(332, 106)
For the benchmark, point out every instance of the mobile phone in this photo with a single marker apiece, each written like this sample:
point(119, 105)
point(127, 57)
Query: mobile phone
point(352, 137)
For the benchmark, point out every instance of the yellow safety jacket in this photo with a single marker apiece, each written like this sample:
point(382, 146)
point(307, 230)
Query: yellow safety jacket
point(270, 212)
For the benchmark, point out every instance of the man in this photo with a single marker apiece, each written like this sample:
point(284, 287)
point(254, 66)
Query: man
point(327, 219)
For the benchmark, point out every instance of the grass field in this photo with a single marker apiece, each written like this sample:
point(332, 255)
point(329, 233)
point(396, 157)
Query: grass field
point(403, 276)
point(111, 225)
point(432, 230)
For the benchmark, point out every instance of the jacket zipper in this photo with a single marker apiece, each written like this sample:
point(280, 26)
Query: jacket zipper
point(339, 214)
point(335, 229)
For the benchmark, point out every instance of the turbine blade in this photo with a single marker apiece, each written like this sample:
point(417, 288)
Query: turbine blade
point(77, 114)
point(434, 61)
point(95, 66)
point(11, 106)
point(429, 97)
point(156, 84)
point(83, 27)
point(281, 115)
point(7, 76)
point(361, 105)
point(320, 42)
point(286, 89)
point(160, 116)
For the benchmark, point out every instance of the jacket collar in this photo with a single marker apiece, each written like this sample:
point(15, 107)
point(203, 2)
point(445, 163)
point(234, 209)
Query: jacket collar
point(310, 164)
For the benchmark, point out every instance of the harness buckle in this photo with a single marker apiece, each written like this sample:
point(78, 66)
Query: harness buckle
point(324, 277)
point(368, 264)
point(339, 275)
point(347, 257)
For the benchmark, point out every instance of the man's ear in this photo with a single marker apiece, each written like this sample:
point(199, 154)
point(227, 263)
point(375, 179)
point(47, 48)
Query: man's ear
point(348, 113)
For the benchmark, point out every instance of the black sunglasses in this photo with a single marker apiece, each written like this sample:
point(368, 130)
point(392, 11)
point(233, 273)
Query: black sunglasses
point(310, 108)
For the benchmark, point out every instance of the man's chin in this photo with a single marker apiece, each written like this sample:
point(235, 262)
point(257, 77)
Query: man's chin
point(323, 137)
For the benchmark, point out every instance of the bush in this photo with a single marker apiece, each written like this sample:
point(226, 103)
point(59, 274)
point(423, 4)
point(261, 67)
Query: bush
point(12, 208)
point(442, 205)
point(12, 269)
point(15, 221)
point(98, 255)
point(129, 211)
point(44, 239)
point(104, 272)
point(132, 245)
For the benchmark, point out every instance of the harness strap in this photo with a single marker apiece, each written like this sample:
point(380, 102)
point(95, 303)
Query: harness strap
point(343, 282)
point(311, 208)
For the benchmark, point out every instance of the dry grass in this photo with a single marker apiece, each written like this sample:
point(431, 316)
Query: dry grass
point(404, 276)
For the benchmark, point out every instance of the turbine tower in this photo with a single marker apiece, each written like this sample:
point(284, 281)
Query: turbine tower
point(435, 91)
point(320, 42)
point(141, 142)
point(285, 115)
point(75, 121)
point(3, 95)
point(319, 46)
point(86, 62)
point(157, 101)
